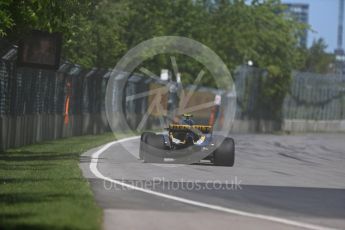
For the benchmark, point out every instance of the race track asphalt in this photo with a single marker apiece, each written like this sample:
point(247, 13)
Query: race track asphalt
point(295, 178)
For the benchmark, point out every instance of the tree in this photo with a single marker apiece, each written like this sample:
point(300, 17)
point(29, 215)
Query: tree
point(317, 58)
point(152, 18)
point(99, 32)
point(92, 30)
point(258, 32)
point(97, 38)
point(20, 16)
point(6, 22)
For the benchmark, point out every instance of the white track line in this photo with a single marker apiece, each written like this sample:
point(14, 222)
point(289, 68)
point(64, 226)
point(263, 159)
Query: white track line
point(94, 170)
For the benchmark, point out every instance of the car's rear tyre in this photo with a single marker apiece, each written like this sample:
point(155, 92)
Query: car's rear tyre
point(224, 155)
point(152, 148)
point(143, 138)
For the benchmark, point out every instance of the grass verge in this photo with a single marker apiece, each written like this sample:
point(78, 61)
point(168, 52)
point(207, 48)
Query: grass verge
point(42, 187)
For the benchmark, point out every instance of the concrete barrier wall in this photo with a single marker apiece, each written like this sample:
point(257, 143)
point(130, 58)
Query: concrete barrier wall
point(314, 126)
point(253, 126)
point(16, 131)
point(29, 129)
point(293, 126)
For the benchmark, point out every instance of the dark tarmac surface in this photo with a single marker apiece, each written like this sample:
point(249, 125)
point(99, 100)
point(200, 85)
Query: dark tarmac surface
point(296, 178)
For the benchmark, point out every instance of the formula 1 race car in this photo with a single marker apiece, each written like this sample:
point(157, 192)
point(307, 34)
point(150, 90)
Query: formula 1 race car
point(187, 143)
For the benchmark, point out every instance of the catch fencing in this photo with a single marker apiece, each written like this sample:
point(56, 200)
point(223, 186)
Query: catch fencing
point(314, 103)
point(38, 105)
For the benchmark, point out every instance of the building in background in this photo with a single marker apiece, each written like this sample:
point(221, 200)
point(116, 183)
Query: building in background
point(300, 13)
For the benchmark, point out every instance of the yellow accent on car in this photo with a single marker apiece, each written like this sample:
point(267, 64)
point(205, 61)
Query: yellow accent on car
point(186, 128)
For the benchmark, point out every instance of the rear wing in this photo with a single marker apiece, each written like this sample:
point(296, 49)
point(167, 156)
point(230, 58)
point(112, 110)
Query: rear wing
point(189, 128)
